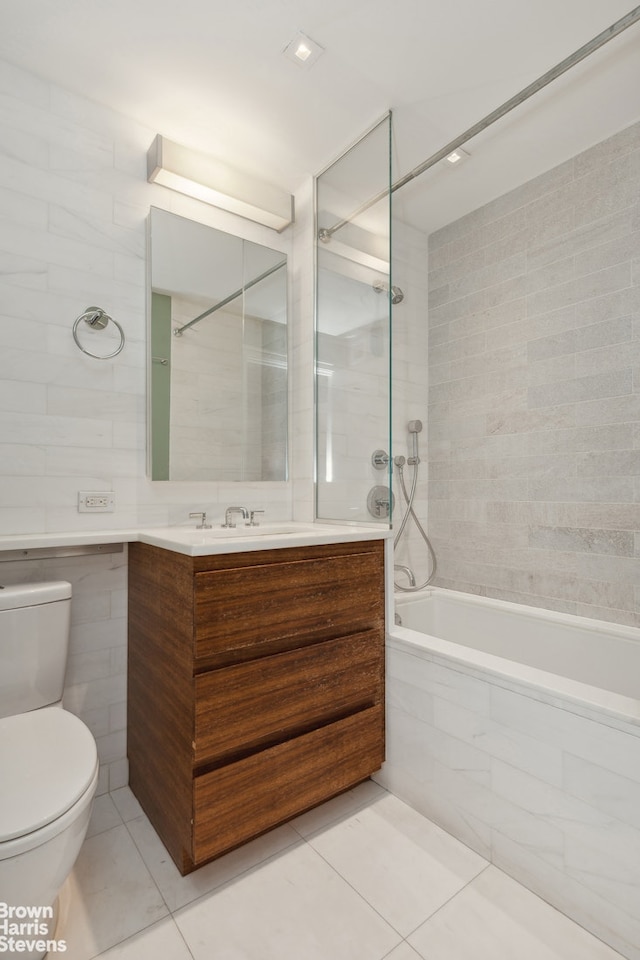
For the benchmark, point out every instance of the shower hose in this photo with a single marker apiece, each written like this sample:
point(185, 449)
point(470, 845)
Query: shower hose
point(409, 512)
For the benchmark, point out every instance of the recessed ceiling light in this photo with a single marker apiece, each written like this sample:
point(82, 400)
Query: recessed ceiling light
point(303, 50)
point(457, 156)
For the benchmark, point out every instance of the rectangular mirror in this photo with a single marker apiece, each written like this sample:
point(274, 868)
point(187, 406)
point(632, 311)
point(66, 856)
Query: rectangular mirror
point(218, 354)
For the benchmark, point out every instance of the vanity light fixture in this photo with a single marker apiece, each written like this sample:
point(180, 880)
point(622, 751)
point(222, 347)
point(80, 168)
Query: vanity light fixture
point(303, 50)
point(457, 156)
point(205, 178)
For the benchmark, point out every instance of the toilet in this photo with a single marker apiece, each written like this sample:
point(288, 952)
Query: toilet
point(48, 762)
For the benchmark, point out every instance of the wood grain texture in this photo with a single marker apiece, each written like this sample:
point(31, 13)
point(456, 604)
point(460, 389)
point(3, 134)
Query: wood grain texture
point(256, 687)
point(257, 703)
point(240, 801)
point(160, 692)
point(331, 596)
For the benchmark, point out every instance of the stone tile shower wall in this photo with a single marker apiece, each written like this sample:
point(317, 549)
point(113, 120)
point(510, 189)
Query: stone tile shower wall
point(534, 389)
point(409, 387)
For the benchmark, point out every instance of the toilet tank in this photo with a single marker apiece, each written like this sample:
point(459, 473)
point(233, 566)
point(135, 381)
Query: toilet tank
point(34, 642)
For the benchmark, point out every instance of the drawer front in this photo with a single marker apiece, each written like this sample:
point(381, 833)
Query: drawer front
point(254, 611)
point(240, 801)
point(258, 703)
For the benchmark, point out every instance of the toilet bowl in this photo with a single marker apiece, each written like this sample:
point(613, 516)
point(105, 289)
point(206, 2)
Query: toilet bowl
point(48, 765)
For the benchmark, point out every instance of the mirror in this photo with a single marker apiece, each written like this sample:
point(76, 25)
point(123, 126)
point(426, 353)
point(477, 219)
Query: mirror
point(218, 354)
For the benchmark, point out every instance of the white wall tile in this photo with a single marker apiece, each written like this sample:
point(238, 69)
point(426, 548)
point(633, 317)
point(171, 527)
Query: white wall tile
point(547, 795)
point(73, 207)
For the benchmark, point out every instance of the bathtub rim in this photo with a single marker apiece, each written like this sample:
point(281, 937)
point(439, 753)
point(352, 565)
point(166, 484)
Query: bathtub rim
point(523, 609)
point(613, 709)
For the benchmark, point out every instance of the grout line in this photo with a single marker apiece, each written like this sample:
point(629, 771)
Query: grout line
point(146, 865)
point(452, 897)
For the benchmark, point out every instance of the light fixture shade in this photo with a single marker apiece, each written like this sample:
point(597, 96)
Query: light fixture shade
point(205, 178)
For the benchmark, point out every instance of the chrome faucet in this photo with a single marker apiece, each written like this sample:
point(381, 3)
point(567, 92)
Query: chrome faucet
point(203, 525)
point(230, 511)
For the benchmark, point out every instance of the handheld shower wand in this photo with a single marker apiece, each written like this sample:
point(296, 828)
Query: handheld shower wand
point(415, 426)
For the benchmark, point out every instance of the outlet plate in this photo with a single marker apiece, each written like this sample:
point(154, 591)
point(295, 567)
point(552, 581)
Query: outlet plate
point(96, 501)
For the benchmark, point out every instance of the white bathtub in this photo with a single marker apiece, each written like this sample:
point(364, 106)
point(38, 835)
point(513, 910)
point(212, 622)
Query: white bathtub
point(518, 730)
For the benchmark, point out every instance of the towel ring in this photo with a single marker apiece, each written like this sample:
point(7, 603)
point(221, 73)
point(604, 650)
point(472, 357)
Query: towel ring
point(97, 319)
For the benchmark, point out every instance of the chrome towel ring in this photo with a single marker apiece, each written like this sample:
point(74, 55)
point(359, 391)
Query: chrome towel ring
point(97, 319)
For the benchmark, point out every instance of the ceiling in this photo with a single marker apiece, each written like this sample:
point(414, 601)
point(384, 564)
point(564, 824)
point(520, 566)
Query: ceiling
point(213, 76)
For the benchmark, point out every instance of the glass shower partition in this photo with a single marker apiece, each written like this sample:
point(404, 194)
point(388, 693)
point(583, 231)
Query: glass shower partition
point(353, 333)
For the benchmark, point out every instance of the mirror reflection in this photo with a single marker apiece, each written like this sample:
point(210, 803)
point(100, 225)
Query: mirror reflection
point(218, 342)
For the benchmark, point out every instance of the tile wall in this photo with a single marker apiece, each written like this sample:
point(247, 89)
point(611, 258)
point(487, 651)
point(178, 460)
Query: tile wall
point(534, 390)
point(228, 397)
point(410, 386)
point(548, 795)
point(73, 207)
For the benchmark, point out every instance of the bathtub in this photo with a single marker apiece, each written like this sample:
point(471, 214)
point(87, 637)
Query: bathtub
point(517, 730)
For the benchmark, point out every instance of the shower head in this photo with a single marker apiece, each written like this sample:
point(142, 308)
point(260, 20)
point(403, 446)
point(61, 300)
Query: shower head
point(397, 294)
point(414, 426)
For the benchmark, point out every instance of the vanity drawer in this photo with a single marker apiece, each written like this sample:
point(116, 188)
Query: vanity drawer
point(241, 800)
point(249, 612)
point(289, 693)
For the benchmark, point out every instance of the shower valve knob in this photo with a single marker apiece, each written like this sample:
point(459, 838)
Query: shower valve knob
point(380, 459)
point(380, 502)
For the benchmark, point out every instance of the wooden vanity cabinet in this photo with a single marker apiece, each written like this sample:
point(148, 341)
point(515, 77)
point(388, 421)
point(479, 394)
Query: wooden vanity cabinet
point(255, 687)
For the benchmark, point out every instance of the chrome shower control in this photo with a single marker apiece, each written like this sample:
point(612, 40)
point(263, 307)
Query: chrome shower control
point(380, 502)
point(380, 459)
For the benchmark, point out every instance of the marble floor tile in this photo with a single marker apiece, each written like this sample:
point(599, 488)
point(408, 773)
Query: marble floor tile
point(337, 808)
point(363, 877)
point(104, 815)
point(402, 864)
point(403, 952)
point(291, 907)
point(109, 896)
point(496, 917)
point(161, 941)
point(127, 804)
point(178, 890)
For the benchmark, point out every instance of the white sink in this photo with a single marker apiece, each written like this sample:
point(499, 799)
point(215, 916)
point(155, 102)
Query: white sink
point(240, 532)
point(266, 536)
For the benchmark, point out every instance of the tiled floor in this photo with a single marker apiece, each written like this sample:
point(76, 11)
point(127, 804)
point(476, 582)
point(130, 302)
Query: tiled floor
point(363, 877)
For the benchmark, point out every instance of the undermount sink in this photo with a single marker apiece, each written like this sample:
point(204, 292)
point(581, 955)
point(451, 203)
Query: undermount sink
point(265, 536)
point(240, 531)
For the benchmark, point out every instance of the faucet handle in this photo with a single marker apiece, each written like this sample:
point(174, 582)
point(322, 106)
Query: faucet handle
point(252, 521)
point(203, 525)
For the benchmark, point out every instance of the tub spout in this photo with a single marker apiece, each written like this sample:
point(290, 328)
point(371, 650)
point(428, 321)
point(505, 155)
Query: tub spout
point(407, 571)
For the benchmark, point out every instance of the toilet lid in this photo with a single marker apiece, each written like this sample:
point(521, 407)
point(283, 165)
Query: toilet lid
point(47, 761)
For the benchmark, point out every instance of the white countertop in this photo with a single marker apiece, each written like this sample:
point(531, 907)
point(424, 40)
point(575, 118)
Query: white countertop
point(196, 543)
